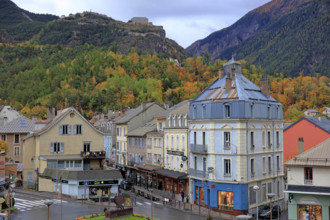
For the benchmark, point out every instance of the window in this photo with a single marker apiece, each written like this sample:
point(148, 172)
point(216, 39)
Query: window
point(185, 121)
point(149, 142)
point(252, 167)
point(77, 129)
point(264, 164)
point(268, 112)
point(263, 193)
point(278, 162)
point(177, 162)
point(270, 187)
point(277, 138)
point(225, 200)
point(195, 162)
point(269, 139)
point(57, 147)
point(183, 142)
point(124, 131)
point(167, 161)
point(203, 111)
point(227, 111)
point(149, 157)
point(309, 212)
point(3, 137)
point(179, 121)
point(172, 162)
point(177, 141)
point(195, 138)
point(16, 151)
point(87, 147)
point(308, 175)
point(252, 139)
point(204, 165)
point(117, 131)
point(269, 164)
point(204, 139)
point(167, 140)
point(174, 121)
point(172, 141)
point(263, 138)
point(227, 168)
point(226, 140)
point(169, 121)
point(65, 129)
point(194, 112)
point(251, 110)
point(160, 126)
point(16, 138)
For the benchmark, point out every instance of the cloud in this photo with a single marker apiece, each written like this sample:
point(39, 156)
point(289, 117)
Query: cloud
point(184, 21)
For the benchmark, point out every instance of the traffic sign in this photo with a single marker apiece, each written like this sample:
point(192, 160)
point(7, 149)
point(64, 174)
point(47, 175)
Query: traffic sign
point(85, 183)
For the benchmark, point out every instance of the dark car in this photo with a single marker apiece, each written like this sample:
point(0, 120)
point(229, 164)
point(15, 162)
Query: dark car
point(264, 212)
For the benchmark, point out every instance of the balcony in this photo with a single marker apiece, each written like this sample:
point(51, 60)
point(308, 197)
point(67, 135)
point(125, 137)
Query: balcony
point(226, 145)
point(198, 173)
point(308, 182)
point(93, 155)
point(198, 148)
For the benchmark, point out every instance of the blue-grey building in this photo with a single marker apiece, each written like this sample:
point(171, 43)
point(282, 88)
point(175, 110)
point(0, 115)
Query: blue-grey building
point(235, 135)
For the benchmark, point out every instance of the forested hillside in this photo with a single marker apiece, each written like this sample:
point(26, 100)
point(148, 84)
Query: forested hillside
point(94, 79)
point(281, 36)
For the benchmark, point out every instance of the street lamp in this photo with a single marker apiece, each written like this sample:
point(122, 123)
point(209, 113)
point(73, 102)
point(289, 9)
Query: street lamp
point(270, 196)
point(48, 203)
point(256, 189)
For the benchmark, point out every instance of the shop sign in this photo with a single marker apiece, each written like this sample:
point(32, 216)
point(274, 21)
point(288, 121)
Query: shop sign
point(177, 153)
point(103, 182)
point(184, 158)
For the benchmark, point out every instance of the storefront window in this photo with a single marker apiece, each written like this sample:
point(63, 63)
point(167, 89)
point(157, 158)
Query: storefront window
point(309, 212)
point(197, 194)
point(225, 200)
point(201, 195)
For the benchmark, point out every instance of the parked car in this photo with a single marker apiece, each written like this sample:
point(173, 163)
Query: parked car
point(264, 212)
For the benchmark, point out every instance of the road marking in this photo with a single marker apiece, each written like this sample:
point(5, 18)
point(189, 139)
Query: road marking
point(148, 203)
point(139, 203)
point(158, 203)
point(23, 205)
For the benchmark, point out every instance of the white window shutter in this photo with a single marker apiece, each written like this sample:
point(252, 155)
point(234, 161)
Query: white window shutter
point(61, 129)
point(74, 129)
point(69, 129)
point(61, 147)
point(52, 147)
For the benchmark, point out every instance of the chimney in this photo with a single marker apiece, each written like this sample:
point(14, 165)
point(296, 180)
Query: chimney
point(264, 85)
point(221, 72)
point(300, 145)
point(233, 72)
point(228, 83)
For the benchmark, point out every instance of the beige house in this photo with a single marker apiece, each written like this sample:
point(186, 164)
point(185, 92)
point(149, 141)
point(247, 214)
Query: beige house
point(13, 133)
point(129, 121)
point(68, 143)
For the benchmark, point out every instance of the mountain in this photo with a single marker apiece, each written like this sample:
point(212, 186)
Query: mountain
point(281, 36)
point(17, 24)
point(101, 30)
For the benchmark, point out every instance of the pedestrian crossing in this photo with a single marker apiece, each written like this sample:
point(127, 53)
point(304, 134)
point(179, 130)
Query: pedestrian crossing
point(27, 205)
point(148, 203)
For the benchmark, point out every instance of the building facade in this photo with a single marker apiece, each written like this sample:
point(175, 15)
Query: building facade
point(235, 136)
point(308, 186)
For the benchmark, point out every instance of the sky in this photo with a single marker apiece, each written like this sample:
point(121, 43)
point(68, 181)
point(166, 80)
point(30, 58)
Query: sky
point(184, 21)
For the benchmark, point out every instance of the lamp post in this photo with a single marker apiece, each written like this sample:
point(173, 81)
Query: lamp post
point(48, 203)
point(256, 189)
point(270, 196)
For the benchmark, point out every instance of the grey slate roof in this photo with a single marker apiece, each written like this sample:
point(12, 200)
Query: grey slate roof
point(242, 89)
point(18, 125)
point(143, 130)
point(83, 174)
point(316, 156)
point(172, 173)
point(322, 123)
point(181, 108)
point(132, 113)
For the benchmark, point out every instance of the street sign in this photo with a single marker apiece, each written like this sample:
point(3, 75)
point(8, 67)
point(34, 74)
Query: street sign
point(184, 158)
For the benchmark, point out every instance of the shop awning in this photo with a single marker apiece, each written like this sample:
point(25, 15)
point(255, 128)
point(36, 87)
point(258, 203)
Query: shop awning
point(172, 174)
point(147, 167)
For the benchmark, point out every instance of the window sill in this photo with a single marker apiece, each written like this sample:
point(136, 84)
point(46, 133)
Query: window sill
point(227, 175)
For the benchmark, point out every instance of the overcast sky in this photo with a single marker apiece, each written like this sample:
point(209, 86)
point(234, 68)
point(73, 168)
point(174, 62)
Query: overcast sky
point(184, 21)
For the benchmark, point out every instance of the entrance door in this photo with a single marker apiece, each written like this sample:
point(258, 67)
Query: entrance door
point(29, 179)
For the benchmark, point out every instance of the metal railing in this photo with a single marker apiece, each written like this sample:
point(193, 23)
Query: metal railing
point(308, 182)
point(198, 173)
point(200, 148)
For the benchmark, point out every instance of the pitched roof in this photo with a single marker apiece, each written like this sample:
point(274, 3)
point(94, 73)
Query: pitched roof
point(133, 112)
point(143, 130)
point(181, 108)
point(241, 88)
point(19, 125)
point(58, 118)
point(83, 174)
point(316, 156)
point(322, 123)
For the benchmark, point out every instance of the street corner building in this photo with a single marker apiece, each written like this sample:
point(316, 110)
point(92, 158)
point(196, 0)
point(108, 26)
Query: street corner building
point(67, 155)
point(236, 144)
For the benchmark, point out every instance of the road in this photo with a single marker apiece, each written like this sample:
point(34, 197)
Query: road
point(32, 207)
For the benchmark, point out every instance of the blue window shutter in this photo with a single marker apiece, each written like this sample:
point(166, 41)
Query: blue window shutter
point(69, 129)
point(61, 147)
point(52, 147)
point(61, 129)
point(74, 129)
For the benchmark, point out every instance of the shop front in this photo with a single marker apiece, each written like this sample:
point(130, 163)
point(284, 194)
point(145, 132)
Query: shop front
point(221, 196)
